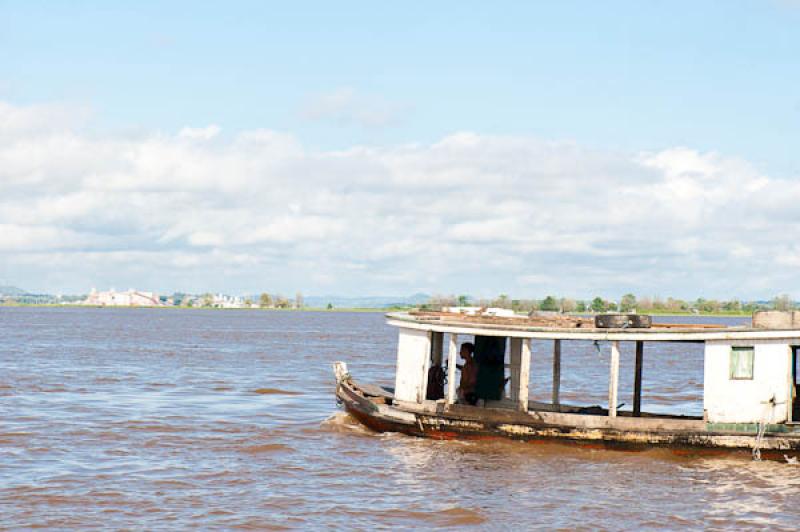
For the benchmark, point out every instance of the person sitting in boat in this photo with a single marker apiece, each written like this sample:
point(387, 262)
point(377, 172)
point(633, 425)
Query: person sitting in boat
point(469, 375)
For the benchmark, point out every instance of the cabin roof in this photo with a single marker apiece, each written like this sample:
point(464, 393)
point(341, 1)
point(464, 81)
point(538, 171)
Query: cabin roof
point(558, 326)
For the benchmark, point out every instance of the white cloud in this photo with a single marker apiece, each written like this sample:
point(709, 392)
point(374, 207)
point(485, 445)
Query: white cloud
point(347, 107)
point(15, 238)
point(38, 119)
point(468, 214)
point(199, 133)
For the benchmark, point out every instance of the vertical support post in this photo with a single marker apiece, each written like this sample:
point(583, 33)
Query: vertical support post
point(613, 379)
point(452, 355)
point(637, 383)
point(516, 358)
point(556, 373)
point(437, 348)
point(426, 366)
point(524, 375)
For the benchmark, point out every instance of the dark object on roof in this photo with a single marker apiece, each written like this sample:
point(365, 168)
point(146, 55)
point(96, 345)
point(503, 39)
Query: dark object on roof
point(623, 321)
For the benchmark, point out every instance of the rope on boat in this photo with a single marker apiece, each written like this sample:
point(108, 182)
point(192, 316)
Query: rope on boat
point(762, 426)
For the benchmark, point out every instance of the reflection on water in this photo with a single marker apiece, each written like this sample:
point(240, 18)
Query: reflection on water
point(206, 419)
point(769, 485)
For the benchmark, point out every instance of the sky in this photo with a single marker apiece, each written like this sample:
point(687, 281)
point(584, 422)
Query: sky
point(573, 148)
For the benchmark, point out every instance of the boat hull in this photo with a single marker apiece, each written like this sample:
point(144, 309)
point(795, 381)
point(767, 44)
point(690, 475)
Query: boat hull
point(448, 422)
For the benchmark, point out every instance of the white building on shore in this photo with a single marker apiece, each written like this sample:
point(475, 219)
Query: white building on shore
point(130, 298)
point(225, 301)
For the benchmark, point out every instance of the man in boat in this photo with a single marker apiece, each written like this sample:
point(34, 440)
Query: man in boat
point(469, 375)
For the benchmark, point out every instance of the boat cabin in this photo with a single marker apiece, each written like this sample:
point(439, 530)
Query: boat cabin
point(750, 373)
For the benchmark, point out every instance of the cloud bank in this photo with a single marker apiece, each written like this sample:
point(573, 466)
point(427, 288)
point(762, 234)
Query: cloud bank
point(197, 210)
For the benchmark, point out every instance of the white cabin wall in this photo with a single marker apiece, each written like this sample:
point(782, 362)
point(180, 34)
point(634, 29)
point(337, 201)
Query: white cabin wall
point(413, 357)
point(740, 401)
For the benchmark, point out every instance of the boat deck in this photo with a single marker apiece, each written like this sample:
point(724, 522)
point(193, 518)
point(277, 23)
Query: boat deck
point(385, 395)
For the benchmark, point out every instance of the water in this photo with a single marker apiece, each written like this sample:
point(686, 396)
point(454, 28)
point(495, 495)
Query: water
point(135, 418)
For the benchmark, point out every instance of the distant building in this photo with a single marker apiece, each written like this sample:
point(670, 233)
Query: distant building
point(224, 301)
point(131, 298)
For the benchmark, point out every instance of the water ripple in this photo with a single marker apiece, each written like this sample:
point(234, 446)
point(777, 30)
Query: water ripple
point(148, 419)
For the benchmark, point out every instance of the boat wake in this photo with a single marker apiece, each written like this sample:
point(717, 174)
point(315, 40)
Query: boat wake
point(345, 423)
point(275, 391)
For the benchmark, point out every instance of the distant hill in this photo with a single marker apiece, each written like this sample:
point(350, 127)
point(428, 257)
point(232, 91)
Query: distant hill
point(11, 291)
point(366, 301)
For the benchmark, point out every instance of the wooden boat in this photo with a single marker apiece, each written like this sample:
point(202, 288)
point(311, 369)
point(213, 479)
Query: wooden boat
point(749, 400)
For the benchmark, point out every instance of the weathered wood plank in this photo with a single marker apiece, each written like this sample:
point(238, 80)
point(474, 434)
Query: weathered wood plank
point(647, 335)
point(497, 415)
point(687, 326)
point(373, 390)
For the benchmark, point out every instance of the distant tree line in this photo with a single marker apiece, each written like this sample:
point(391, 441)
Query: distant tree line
point(627, 303)
point(264, 300)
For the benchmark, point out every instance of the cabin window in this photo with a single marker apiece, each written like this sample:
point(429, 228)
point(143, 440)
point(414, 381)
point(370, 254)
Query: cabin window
point(742, 363)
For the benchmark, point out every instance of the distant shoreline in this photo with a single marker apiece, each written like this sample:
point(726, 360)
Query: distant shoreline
point(176, 307)
point(353, 309)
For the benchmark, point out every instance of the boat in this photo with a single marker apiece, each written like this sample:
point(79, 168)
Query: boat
point(749, 388)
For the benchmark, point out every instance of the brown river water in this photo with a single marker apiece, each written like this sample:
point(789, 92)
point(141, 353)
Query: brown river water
point(152, 419)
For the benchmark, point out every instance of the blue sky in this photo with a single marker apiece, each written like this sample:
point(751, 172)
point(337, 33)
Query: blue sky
point(616, 80)
point(627, 75)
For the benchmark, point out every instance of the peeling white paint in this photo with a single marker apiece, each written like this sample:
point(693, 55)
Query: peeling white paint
point(413, 355)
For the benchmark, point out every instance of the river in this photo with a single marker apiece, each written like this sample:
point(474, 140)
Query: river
point(166, 418)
